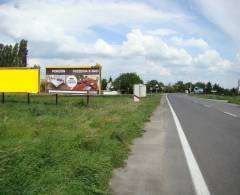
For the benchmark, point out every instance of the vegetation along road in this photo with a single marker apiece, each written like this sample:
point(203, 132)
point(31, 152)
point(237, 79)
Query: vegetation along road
point(70, 148)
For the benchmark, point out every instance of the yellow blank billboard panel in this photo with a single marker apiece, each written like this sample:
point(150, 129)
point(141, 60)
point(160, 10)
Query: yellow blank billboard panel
point(19, 80)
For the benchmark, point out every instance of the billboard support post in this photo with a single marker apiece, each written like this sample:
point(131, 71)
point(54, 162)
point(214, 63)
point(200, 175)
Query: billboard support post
point(28, 98)
point(3, 97)
point(87, 97)
point(56, 95)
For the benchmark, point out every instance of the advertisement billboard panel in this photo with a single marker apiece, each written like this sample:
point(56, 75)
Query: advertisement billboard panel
point(73, 79)
point(19, 80)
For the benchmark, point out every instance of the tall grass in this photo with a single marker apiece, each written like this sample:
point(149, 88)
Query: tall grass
point(70, 148)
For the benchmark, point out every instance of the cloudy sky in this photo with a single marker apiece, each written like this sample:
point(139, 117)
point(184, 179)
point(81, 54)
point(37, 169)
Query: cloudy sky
point(189, 40)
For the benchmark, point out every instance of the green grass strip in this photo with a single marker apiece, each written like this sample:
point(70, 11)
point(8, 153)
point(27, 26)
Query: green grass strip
point(69, 148)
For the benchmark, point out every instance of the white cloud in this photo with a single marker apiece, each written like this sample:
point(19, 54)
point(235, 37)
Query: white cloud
point(193, 42)
point(61, 32)
point(68, 18)
point(103, 47)
point(238, 58)
point(157, 70)
point(135, 44)
point(162, 32)
point(67, 24)
point(225, 14)
point(212, 60)
point(154, 48)
point(236, 66)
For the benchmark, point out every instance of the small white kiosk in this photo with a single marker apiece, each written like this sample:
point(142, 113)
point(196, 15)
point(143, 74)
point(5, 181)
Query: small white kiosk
point(139, 90)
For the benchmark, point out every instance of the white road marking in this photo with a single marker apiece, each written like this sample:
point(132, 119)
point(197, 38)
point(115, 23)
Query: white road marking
point(196, 175)
point(228, 113)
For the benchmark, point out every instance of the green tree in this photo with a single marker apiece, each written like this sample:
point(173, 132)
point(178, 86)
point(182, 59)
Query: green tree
point(169, 88)
point(200, 85)
point(188, 86)
point(14, 55)
point(219, 90)
point(161, 86)
point(179, 87)
point(7, 54)
point(104, 84)
point(125, 82)
point(208, 88)
point(151, 85)
point(233, 92)
point(16, 60)
point(22, 53)
point(1, 55)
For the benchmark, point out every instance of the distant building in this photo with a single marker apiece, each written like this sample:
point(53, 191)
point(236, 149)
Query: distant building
point(198, 90)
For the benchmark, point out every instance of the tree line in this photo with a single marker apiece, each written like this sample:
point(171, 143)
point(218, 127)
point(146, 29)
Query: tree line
point(14, 55)
point(208, 88)
point(125, 82)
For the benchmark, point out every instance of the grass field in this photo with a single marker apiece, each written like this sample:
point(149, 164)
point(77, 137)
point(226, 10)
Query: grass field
point(70, 148)
point(230, 99)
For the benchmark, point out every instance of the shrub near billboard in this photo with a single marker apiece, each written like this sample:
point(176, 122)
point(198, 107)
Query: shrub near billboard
point(73, 79)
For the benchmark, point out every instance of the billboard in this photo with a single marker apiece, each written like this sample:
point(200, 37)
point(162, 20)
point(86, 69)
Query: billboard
point(19, 80)
point(73, 79)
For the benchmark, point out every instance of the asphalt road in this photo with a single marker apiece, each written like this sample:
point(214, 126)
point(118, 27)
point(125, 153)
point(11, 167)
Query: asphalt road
point(212, 129)
point(191, 147)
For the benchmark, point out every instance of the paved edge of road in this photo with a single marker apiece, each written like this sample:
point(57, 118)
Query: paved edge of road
point(199, 183)
point(156, 163)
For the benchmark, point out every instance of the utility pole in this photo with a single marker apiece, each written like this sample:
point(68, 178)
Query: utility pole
point(238, 86)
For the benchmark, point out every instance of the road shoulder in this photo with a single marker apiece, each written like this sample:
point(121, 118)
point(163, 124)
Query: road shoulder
point(156, 164)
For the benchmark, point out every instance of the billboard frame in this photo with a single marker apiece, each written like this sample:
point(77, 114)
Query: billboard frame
point(36, 67)
point(23, 68)
point(97, 66)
